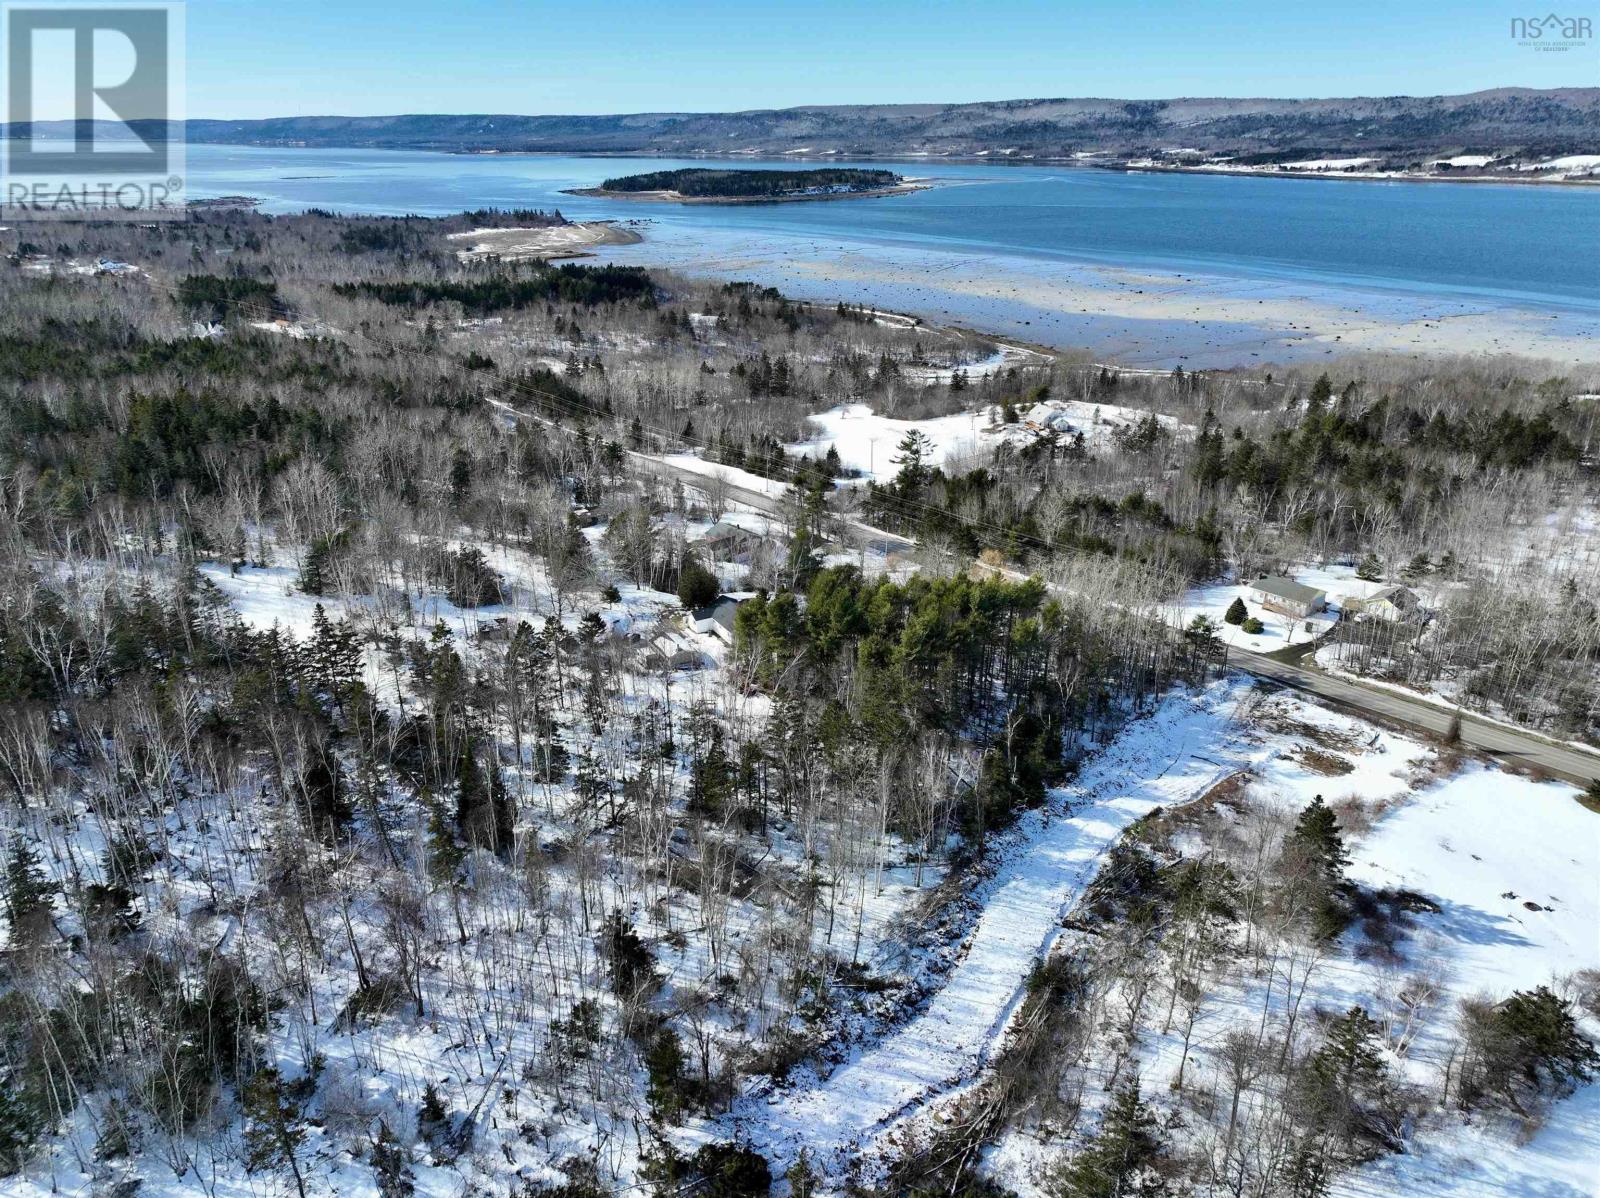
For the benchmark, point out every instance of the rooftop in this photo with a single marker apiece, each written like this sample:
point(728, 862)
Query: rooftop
point(1286, 588)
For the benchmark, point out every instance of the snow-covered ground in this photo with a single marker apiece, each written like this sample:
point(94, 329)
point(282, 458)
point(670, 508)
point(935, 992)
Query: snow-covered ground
point(1568, 166)
point(1005, 357)
point(1485, 844)
point(867, 442)
point(855, 1115)
point(1471, 1161)
point(1514, 866)
point(298, 330)
point(1213, 601)
point(1325, 164)
point(716, 472)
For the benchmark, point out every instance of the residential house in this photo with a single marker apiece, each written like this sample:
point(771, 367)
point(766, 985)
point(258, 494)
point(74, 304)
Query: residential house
point(1393, 603)
point(726, 542)
point(668, 652)
point(1287, 597)
point(717, 618)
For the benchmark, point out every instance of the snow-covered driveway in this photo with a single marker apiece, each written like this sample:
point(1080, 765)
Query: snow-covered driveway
point(1168, 757)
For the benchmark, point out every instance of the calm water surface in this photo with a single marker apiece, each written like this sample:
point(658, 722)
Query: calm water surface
point(1390, 245)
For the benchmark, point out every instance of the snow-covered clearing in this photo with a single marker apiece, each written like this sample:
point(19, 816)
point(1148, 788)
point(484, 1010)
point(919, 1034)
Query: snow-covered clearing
point(1514, 867)
point(1006, 357)
point(867, 442)
point(855, 1115)
point(1472, 1161)
point(298, 330)
point(1484, 845)
point(716, 472)
point(1325, 164)
point(1566, 167)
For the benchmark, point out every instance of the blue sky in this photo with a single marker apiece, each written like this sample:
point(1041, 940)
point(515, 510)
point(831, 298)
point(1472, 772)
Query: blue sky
point(292, 57)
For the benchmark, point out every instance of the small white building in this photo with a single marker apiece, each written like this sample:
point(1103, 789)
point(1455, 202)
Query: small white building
point(1287, 597)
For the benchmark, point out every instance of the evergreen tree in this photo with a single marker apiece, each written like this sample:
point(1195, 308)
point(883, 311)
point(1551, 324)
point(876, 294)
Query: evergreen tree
point(483, 811)
point(22, 1122)
point(1120, 1161)
point(391, 1168)
point(697, 586)
point(275, 1126)
point(1316, 833)
point(1346, 1082)
point(802, 1176)
point(1315, 857)
point(460, 475)
point(322, 784)
point(664, 1061)
point(1525, 1049)
point(1237, 612)
point(30, 893)
point(711, 777)
point(913, 452)
point(313, 578)
point(1321, 394)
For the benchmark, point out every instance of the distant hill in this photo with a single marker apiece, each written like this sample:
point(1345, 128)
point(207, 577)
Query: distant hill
point(1390, 129)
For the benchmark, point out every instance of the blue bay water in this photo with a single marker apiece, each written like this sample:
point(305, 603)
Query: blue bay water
point(1398, 250)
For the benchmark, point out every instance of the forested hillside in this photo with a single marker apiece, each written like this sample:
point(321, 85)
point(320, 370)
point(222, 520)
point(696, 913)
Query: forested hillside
point(1506, 120)
point(462, 730)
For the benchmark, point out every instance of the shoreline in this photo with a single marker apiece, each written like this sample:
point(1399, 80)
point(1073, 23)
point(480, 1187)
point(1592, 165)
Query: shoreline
point(577, 239)
point(1522, 180)
point(1121, 166)
point(1144, 317)
point(674, 197)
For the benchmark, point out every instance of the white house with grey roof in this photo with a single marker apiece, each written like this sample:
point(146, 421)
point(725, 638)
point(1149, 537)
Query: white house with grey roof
point(1287, 597)
point(1393, 603)
point(717, 619)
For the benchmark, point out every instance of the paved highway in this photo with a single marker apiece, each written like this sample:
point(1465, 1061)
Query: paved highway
point(1513, 746)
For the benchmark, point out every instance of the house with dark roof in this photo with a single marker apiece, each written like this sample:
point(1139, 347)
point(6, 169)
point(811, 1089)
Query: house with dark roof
point(1287, 597)
point(716, 618)
point(726, 542)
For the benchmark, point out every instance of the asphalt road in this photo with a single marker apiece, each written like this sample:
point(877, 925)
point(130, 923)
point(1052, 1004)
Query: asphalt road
point(1513, 746)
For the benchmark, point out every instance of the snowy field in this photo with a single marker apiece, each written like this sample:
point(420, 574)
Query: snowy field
point(716, 472)
point(867, 442)
point(1514, 866)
